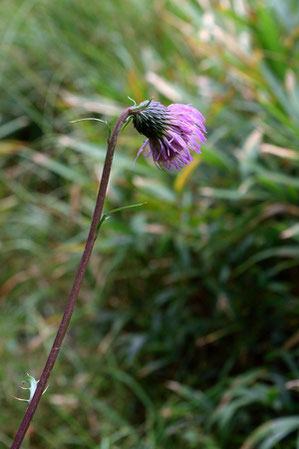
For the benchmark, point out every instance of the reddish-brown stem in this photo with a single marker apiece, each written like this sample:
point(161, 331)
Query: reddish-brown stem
point(69, 308)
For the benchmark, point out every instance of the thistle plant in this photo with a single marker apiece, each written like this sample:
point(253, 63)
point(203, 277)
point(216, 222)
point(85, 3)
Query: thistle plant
point(172, 132)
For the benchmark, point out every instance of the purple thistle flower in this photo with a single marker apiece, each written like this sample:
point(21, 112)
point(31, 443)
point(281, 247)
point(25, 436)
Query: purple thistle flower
point(171, 131)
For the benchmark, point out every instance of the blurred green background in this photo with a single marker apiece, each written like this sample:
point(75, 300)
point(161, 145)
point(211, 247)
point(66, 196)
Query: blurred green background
point(186, 330)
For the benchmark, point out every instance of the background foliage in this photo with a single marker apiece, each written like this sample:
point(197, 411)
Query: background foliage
point(186, 331)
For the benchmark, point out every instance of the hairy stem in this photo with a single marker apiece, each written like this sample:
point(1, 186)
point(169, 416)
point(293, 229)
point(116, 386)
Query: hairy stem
point(70, 305)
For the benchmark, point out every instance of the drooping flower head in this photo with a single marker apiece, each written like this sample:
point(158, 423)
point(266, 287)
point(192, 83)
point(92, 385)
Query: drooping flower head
point(171, 133)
